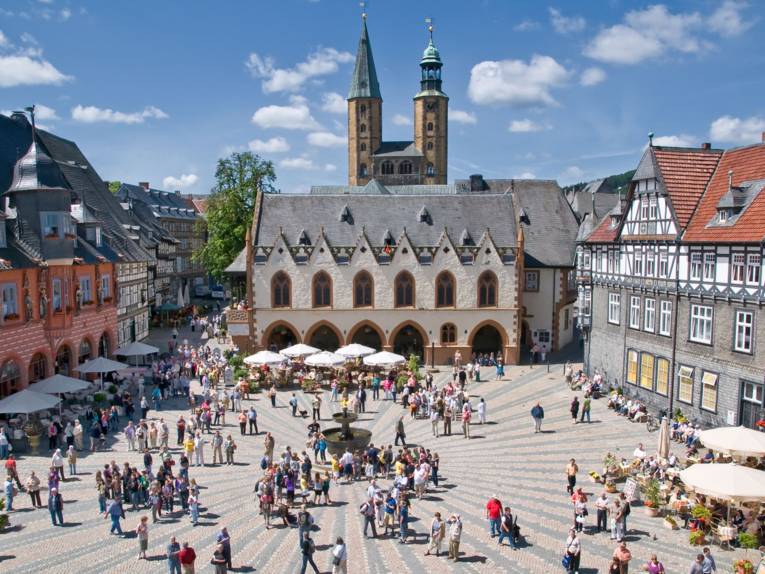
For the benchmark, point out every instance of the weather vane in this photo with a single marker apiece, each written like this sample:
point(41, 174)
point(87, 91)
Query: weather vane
point(429, 22)
point(363, 5)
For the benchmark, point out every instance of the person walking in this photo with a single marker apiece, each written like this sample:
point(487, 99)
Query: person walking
point(56, 507)
point(129, 431)
point(466, 416)
point(252, 418)
point(624, 555)
point(71, 458)
point(10, 491)
point(142, 533)
point(601, 506)
point(219, 560)
point(507, 528)
point(653, 566)
point(709, 566)
point(434, 422)
point(367, 508)
point(482, 411)
point(293, 404)
point(307, 548)
point(199, 449)
point(537, 413)
point(573, 551)
point(494, 514)
point(340, 557)
point(186, 557)
point(172, 551)
point(571, 469)
point(437, 534)
point(272, 396)
point(574, 409)
point(400, 434)
point(455, 534)
point(586, 406)
point(229, 446)
point(33, 489)
point(57, 462)
point(115, 512)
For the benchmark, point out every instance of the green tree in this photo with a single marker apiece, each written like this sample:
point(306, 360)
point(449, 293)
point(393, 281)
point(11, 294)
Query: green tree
point(239, 178)
point(114, 186)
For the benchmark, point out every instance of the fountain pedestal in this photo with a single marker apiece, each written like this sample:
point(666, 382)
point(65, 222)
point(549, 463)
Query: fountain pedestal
point(338, 438)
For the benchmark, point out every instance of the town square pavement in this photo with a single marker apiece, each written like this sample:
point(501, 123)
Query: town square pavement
point(504, 457)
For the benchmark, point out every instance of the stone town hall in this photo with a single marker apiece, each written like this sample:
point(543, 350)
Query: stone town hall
point(401, 260)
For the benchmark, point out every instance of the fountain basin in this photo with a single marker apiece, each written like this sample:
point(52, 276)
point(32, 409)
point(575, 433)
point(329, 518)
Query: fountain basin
point(338, 438)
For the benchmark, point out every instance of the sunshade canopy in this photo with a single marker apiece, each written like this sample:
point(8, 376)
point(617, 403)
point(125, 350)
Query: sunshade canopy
point(59, 384)
point(384, 359)
point(355, 350)
point(727, 481)
point(136, 349)
point(325, 359)
point(100, 365)
point(299, 350)
point(26, 401)
point(734, 440)
point(264, 358)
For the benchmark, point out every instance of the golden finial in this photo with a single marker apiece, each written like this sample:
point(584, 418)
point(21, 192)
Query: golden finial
point(429, 22)
point(363, 5)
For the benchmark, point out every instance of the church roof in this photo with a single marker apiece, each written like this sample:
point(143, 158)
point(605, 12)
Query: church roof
point(397, 149)
point(364, 83)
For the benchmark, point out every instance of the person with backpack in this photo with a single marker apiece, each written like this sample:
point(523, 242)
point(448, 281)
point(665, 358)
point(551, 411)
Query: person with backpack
point(367, 509)
point(308, 547)
point(537, 413)
point(573, 553)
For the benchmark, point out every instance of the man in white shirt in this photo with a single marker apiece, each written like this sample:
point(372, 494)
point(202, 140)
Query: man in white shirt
point(601, 503)
point(639, 452)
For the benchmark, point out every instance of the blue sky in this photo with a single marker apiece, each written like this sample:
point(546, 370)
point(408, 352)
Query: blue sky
point(158, 91)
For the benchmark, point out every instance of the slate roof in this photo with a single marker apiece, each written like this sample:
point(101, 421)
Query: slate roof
point(397, 149)
point(239, 264)
point(747, 164)
point(375, 187)
point(684, 173)
point(364, 82)
point(377, 214)
point(596, 197)
point(165, 204)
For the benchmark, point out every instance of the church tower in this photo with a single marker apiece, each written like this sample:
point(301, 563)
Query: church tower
point(364, 113)
point(431, 115)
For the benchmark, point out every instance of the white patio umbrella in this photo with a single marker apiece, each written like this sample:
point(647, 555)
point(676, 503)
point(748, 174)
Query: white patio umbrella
point(299, 350)
point(264, 358)
point(384, 359)
point(355, 350)
point(739, 441)
point(325, 359)
point(726, 481)
point(663, 447)
point(26, 401)
point(136, 349)
point(59, 384)
point(100, 365)
point(179, 301)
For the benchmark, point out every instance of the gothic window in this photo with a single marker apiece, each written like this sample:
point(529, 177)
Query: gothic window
point(445, 290)
point(363, 146)
point(430, 170)
point(430, 127)
point(405, 168)
point(10, 378)
point(280, 290)
point(363, 170)
point(487, 290)
point(363, 110)
point(363, 289)
point(404, 287)
point(448, 334)
point(322, 290)
point(363, 128)
point(430, 145)
point(387, 168)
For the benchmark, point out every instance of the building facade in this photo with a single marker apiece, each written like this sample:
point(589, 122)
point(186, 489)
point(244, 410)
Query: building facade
point(671, 285)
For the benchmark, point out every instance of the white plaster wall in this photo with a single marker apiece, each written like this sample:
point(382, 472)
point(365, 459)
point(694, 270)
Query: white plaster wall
point(540, 304)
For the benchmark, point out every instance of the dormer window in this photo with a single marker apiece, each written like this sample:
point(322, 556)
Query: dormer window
point(724, 215)
point(93, 234)
point(614, 221)
point(54, 224)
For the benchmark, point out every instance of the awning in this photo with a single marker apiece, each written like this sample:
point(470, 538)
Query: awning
point(686, 372)
point(709, 379)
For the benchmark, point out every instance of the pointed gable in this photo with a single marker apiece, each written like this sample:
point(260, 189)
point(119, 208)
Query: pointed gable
point(364, 83)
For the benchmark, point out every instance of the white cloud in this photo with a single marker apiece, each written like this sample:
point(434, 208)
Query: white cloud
point(737, 130)
point(65, 14)
point(679, 140)
point(572, 174)
point(273, 145)
point(330, 167)
point(462, 117)
point(296, 116)
point(333, 103)
point(29, 70)
point(728, 21)
point(592, 77)
point(45, 113)
point(326, 139)
point(401, 120)
point(526, 25)
point(563, 24)
point(526, 126)
point(323, 62)
point(526, 175)
point(4, 40)
point(185, 180)
point(93, 114)
point(516, 82)
point(300, 163)
point(654, 31)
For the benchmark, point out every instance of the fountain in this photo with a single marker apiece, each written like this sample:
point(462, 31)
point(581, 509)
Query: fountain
point(353, 438)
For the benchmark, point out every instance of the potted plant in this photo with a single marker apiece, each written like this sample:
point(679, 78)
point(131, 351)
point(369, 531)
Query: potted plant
point(702, 514)
point(697, 538)
point(610, 463)
point(4, 522)
point(652, 493)
point(610, 486)
point(670, 522)
point(747, 541)
point(743, 566)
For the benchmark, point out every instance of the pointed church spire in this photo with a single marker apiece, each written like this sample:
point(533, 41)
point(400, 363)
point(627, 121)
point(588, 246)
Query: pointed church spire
point(364, 83)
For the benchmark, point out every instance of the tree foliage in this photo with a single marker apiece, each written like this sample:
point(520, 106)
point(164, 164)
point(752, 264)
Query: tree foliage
point(239, 178)
point(114, 186)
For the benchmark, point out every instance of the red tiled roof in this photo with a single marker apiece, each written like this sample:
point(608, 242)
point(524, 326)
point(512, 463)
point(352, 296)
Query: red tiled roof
point(686, 173)
point(200, 205)
point(603, 233)
point(748, 164)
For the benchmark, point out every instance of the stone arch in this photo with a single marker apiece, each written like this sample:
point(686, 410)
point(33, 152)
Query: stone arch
point(64, 361)
point(104, 344)
point(324, 335)
point(445, 290)
point(356, 333)
point(87, 339)
point(39, 365)
point(405, 344)
point(272, 337)
point(500, 331)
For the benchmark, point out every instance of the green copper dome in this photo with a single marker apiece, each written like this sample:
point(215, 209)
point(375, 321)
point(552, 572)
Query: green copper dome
point(431, 55)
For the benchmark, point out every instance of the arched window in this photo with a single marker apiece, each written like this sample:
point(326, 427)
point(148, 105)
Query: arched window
point(430, 126)
point(38, 367)
point(405, 168)
point(280, 290)
point(387, 168)
point(104, 345)
point(445, 290)
point(363, 128)
point(430, 145)
point(363, 111)
point(363, 290)
point(487, 289)
point(448, 334)
point(322, 290)
point(363, 170)
point(10, 378)
point(404, 288)
point(85, 351)
point(363, 146)
point(430, 170)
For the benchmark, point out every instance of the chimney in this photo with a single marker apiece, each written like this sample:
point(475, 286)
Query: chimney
point(476, 182)
point(145, 185)
point(706, 145)
point(730, 178)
